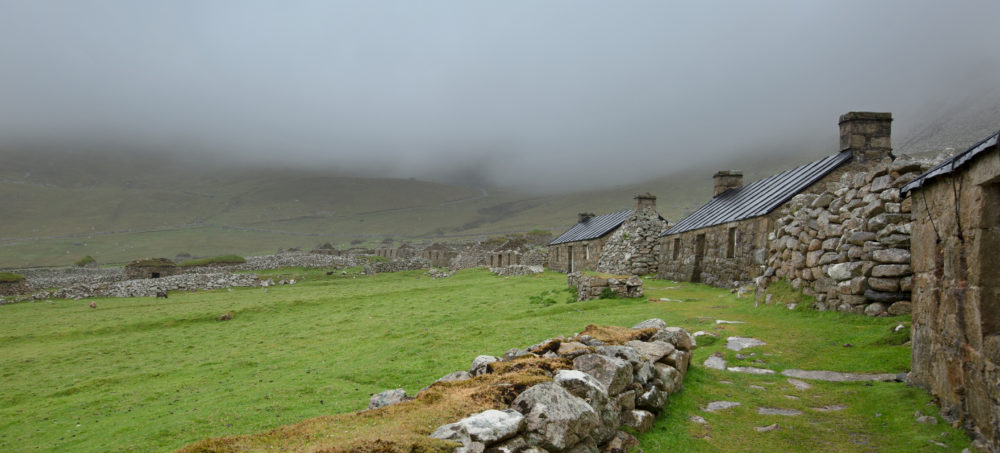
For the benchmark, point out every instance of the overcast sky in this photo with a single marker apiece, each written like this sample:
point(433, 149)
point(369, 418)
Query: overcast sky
point(510, 91)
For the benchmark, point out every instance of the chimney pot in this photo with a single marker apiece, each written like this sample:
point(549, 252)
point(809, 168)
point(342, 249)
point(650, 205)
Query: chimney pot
point(727, 179)
point(866, 134)
point(585, 216)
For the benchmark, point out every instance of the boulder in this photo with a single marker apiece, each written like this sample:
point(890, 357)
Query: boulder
point(480, 365)
point(615, 374)
point(678, 359)
point(652, 399)
point(651, 351)
point(487, 428)
point(456, 376)
point(655, 323)
point(387, 398)
point(625, 353)
point(892, 256)
point(639, 419)
point(845, 271)
point(554, 418)
point(675, 336)
point(667, 378)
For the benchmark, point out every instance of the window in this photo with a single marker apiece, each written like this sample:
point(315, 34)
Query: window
point(586, 252)
point(731, 246)
point(677, 248)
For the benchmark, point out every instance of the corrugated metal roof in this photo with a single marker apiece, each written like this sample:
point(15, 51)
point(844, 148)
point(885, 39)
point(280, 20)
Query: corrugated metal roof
point(592, 228)
point(949, 165)
point(760, 197)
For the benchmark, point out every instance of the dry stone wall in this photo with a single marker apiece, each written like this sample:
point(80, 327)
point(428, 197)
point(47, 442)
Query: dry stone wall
point(407, 264)
point(634, 247)
point(846, 242)
point(609, 386)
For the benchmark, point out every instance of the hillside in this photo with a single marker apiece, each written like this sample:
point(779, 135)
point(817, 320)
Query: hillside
point(120, 205)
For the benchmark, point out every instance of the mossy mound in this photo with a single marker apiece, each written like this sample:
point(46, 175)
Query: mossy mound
point(152, 262)
point(85, 261)
point(7, 277)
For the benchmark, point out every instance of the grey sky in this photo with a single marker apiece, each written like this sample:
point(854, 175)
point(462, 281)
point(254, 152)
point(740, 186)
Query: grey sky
point(511, 91)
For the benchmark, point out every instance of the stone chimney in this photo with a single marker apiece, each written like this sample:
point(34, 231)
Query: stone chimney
point(585, 216)
point(727, 179)
point(645, 201)
point(866, 134)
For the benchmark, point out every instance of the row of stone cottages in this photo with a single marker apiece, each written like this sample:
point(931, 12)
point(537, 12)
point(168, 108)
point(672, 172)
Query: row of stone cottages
point(862, 231)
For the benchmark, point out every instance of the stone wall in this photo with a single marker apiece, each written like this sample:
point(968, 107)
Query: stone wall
point(721, 261)
point(956, 311)
point(516, 270)
point(586, 255)
point(155, 268)
point(598, 388)
point(15, 288)
point(505, 258)
point(408, 264)
point(634, 247)
point(592, 286)
point(846, 240)
point(438, 256)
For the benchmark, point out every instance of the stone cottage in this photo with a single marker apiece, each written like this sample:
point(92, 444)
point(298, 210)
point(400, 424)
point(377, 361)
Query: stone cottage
point(582, 246)
point(956, 304)
point(438, 254)
point(151, 268)
point(835, 228)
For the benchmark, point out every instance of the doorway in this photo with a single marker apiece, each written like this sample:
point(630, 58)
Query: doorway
point(570, 250)
point(699, 253)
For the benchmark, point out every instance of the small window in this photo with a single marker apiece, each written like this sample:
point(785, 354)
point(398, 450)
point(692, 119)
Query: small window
point(586, 252)
point(731, 247)
point(677, 248)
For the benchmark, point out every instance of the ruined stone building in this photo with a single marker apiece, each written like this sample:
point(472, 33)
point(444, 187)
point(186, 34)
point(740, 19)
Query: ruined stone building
point(835, 228)
point(623, 242)
point(151, 268)
point(392, 253)
point(956, 262)
point(438, 254)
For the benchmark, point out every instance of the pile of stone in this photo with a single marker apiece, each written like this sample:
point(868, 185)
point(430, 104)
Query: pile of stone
point(290, 259)
point(472, 255)
point(583, 408)
point(436, 272)
point(69, 276)
point(592, 287)
point(848, 246)
point(406, 264)
point(517, 269)
point(150, 287)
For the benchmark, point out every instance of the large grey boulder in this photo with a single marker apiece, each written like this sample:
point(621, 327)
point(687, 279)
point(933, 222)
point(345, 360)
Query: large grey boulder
point(655, 323)
point(585, 386)
point(555, 419)
point(614, 373)
point(652, 400)
point(626, 353)
point(667, 378)
point(675, 336)
point(387, 398)
point(456, 376)
point(651, 351)
point(485, 428)
point(678, 359)
point(480, 365)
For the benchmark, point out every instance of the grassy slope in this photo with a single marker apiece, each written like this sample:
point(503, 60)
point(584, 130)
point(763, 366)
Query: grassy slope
point(141, 374)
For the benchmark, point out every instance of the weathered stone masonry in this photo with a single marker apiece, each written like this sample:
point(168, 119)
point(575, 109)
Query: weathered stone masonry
point(956, 312)
point(722, 255)
point(634, 248)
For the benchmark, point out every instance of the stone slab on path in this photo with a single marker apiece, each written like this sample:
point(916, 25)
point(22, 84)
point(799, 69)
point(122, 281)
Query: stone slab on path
point(830, 408)
point(723, 321)
point(749, 370)
point(741, 343)
point(715, 362)
point(720, 405)
point(801, 385)
point(836, 376)
point(778, 411)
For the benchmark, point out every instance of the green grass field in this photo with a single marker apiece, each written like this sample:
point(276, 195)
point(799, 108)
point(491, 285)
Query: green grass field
point(154, 375)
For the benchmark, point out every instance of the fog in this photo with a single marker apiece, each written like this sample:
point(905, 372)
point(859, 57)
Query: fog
point(553, 94)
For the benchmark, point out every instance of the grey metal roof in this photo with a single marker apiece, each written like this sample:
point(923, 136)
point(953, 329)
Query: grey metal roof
point(949, 165)
point(593, 227)
point(761, 197)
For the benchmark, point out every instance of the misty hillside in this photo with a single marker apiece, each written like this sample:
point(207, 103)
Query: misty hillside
point(118, 206)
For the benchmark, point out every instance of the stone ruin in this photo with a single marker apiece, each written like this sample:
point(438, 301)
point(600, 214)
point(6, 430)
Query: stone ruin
point(15, 286)
point(592, 286)
point(634, 247)
point(151, 268)
point(606, 383)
